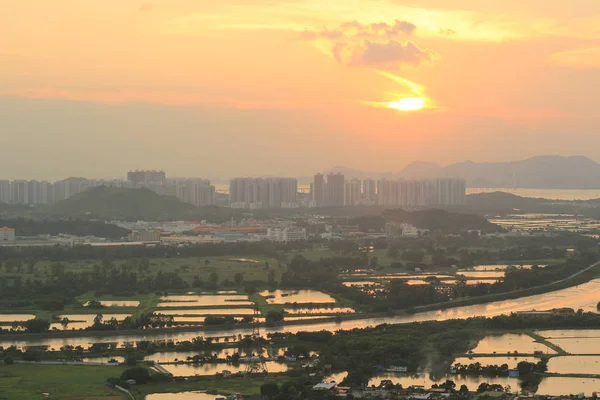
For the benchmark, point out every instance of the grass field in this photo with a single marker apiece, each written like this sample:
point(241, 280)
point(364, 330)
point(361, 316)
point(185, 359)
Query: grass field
point(28, 382)
point(246, 386)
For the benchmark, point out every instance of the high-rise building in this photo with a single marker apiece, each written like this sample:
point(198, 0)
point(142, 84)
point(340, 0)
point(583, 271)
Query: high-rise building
point(5, 192)
point(318, 190)
point(352, 192)
point(255, 193)
point(146, 177)
point(369, 190)
point(334, 190)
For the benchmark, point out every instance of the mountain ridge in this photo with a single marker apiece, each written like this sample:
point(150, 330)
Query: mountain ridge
point(539, 172)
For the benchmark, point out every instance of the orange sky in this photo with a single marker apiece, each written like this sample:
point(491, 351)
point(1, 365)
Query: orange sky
point(291, 87)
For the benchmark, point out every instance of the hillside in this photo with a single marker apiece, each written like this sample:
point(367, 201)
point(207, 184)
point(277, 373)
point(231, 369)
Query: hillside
point(106, 203)
point(432, 219)
point(500, 203)
point(441, 220)
point(543, 172)
point(77, 227)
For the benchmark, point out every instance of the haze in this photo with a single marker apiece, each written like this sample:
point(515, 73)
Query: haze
point(254, 87)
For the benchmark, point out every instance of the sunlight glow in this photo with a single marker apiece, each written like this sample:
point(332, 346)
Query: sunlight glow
point(408, 104)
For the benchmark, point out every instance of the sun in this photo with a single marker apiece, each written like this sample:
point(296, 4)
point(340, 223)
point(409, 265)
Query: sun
point(408, 104)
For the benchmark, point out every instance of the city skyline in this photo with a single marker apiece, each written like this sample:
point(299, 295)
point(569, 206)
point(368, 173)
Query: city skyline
point(364, 83)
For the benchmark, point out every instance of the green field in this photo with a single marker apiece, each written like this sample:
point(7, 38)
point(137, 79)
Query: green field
point(246, 386)
point(28, 382)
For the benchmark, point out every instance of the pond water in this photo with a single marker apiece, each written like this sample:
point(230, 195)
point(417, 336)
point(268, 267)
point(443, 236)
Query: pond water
point(117, 303)
point(425, 380)
point(212, 369)
point(360, 283)
point(184, 396)
point(482, 274)
point(576, 345)
point(204, 300)
point(584, 296)
point(296, 296)
point(485, 361)
point(565, 386)
point(500, 267)
point(323, 310)
point(509, 343)
point(423, 276)
point(15, 317)
point(570, 333)
point(574, 365)
point(208, 311)
point(337, 377)
point(82, 321)
point(104, 359)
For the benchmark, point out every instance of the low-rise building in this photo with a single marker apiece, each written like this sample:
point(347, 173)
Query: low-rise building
point(144, 236)
point(286, 234)
point(7, 234)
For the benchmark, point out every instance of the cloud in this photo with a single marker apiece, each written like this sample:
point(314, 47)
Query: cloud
point(588, 58)
point(378, 45)
point(388, 55)
point(355, 29)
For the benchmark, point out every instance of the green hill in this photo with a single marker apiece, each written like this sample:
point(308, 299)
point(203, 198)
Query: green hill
point(107, 203)
point(432, 219)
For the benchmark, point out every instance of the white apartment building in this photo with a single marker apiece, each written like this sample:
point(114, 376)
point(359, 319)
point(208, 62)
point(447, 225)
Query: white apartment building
point(286, 234)
point(7, 234)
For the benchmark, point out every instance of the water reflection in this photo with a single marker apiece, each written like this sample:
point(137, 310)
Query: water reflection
point(212, 369)
point(184, 396)
point(562, 333)
point(583, 296)
point(209, 311)
point(575, 365)
point(485, 361)
point(427, 381)
point(15, 317)
point(298, 296)
point(323, 310)
point(510, 343)
point(565, 386)
point(576, 345)
point(204, 300)
point(117, 303)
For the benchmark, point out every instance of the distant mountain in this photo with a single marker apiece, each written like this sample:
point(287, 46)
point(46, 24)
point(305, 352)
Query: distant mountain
point(550, 172)
point(108, 203)
point(354, 173)
point(422, 170)
point(543, 172)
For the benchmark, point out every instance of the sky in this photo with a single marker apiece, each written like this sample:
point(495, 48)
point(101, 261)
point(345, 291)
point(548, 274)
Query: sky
point(292, 87)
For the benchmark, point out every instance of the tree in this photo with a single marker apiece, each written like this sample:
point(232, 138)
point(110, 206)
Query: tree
point(94, 304)
point(139, 374)
point(464, 389)
point(373, 262)
point(214, 277)
point(393, 252)
point(98, 319)
point(238, 278)
point(36, 325)
point(269, 390)
point(274, 317)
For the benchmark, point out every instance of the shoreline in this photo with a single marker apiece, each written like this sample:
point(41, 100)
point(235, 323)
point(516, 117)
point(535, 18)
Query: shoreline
point(576, 279)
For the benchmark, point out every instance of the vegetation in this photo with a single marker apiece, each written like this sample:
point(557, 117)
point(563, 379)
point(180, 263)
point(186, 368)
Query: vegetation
point(26, 382)
point(76, 227)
